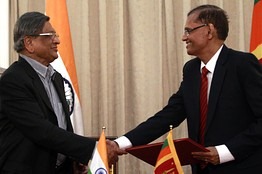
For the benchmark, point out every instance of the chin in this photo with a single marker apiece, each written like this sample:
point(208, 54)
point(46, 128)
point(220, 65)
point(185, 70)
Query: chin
point(189, 53)
point(55, 56)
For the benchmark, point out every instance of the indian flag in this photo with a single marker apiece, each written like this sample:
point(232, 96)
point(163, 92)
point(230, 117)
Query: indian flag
point(256, 36)
point(99, 162)
point(167, 161)
point(65, 63)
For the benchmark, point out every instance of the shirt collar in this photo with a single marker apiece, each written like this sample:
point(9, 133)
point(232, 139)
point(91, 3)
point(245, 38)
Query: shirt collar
point(212, 62)
point(38, 67)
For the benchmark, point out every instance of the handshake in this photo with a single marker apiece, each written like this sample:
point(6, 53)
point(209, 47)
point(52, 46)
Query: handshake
point(113, 151)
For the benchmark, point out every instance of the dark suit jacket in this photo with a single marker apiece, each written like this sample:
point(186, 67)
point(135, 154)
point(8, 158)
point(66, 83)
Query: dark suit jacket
point(234, 111)
point(29, 134)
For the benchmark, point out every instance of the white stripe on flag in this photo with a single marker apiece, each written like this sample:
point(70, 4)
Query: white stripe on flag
point(97, 164)
point(76, 116)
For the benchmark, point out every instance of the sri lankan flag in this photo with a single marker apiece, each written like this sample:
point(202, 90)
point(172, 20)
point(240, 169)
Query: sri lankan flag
point(256, 36)
point(167, 161)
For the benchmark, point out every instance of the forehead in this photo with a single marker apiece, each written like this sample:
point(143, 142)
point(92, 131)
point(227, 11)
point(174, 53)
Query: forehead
point(48, 27)
point(192, 19)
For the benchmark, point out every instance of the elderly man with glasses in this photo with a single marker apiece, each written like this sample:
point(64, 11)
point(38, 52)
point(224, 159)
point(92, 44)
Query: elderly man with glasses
point(36, 134)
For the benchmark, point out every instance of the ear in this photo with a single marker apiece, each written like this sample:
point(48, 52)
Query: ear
point(212, 31)
point(29, 45)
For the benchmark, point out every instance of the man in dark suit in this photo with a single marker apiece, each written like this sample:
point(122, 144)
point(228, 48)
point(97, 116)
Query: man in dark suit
point(36, 134)
point(233, 129)
point(1, 71)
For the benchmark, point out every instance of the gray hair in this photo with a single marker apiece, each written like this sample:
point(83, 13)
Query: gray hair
point(30, 23)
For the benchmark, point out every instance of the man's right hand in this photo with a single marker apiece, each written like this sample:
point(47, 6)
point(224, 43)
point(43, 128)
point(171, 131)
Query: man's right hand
point(113, 151)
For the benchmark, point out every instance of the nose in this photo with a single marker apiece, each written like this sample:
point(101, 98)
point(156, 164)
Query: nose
point(56, 40)
point(184, 37)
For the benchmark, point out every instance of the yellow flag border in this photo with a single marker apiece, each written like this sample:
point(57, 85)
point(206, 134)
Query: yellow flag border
point(173, 152)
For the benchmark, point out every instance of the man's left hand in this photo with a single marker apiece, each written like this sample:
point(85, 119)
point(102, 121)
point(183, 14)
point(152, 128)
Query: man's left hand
point(208, 157)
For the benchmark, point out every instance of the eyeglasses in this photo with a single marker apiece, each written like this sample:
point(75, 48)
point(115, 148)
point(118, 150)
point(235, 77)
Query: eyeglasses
point(187, 31)
point(51, 35)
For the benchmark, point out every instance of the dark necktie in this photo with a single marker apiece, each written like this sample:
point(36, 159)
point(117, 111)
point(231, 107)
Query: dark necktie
point(203, 105)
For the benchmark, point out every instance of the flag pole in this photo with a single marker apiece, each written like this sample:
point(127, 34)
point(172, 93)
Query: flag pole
point(171, 128)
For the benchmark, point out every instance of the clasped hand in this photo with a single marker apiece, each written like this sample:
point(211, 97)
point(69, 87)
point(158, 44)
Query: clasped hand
point(113, 151)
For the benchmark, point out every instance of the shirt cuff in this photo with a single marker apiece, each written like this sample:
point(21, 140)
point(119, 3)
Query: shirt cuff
point(224, 154)
point(123, 142)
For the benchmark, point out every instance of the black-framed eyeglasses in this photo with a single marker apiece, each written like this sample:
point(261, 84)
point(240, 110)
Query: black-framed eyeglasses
point(187, 31)
point(51, 35)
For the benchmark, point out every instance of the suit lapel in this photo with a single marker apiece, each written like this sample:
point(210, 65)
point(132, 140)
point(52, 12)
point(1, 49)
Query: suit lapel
point(216, 86)
point(38, 85)
point(191, 91)
point(42, 95)
point(59, 85)
point(196, 82)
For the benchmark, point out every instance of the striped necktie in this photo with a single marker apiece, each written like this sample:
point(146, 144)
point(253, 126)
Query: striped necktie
point(203, 105)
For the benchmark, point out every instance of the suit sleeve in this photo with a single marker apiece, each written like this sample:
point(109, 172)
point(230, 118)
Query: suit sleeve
point(172, 114)
point(25, 110)
point(250, 139)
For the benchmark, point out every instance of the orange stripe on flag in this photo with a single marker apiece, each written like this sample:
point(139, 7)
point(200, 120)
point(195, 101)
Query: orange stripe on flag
point(256, 36)
point(57, 10)
point(101, 147)
point(65, 63)
point(164, 152)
